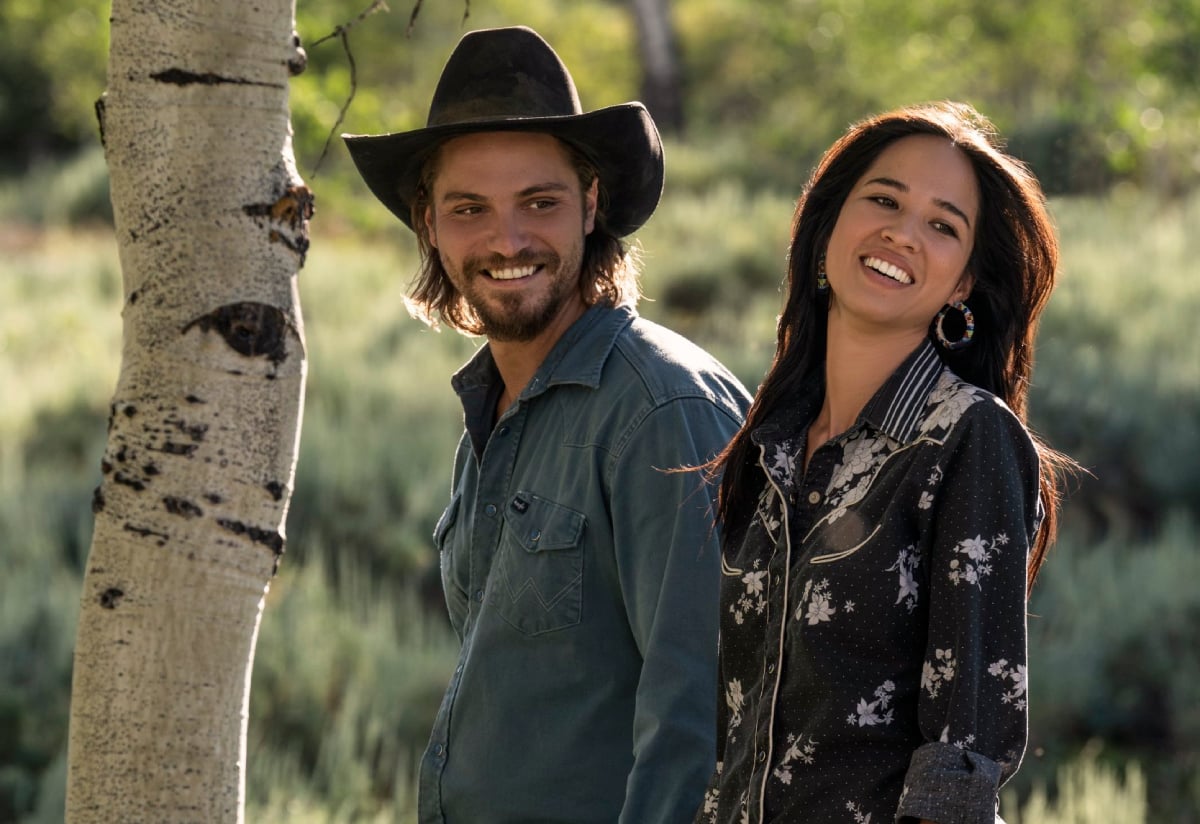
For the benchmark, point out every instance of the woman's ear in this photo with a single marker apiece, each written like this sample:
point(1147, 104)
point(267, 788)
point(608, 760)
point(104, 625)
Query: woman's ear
point(965, 284)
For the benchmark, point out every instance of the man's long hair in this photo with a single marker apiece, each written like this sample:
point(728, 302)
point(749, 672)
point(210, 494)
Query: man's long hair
point(609, 271)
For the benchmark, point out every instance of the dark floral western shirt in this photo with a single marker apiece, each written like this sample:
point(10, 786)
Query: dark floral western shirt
point(873, 638)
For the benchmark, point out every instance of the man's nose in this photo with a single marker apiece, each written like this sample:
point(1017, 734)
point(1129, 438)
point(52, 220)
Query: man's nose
point(509, 234)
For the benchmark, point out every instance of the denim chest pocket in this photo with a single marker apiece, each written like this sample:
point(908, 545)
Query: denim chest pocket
point(539, 568)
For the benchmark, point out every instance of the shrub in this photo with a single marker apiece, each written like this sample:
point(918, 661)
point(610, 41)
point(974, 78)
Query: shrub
point(1113, 635)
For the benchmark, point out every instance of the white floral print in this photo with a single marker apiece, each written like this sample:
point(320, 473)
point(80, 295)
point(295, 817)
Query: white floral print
point(935, 674)
point(977, 566)
point(948, 401)
point(800, 750)
point(735, 699)
point(1018, 675)
point(782, 463)
point(862, 456)
point(819, 604)
point(905, 567)
point(873, 713)
point(754, 599)
point(859, 816)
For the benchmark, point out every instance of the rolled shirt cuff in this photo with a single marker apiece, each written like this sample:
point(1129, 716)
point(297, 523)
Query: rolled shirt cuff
point(950, 786)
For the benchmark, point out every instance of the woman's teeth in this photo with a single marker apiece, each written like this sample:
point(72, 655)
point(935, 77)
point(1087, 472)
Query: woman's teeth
point(888, 270)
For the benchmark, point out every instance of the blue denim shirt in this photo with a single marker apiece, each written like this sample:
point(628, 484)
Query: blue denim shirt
point(581, 576)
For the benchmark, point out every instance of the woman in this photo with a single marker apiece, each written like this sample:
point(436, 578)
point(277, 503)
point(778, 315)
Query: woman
point(885, 508)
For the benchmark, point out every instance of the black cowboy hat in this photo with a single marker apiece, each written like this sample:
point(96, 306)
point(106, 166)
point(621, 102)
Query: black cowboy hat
point(511, 80)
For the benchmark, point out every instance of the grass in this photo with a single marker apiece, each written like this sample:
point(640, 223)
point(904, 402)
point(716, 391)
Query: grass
point(354, 650)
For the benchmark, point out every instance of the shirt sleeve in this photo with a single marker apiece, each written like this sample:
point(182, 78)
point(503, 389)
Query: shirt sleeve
point(668, 562)
point(972, 709)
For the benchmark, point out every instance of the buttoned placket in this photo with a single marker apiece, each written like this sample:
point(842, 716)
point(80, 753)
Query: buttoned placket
point(797, 509)
point(778, 577)
point(494, 470)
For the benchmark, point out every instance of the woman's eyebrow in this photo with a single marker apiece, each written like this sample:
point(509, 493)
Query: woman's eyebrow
point(891, 182)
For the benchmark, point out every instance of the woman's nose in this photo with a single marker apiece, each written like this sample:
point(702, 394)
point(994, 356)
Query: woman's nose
point(902, 231)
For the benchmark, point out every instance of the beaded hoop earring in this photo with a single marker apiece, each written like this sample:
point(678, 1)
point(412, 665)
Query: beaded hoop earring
point(822, 280)
point(968, 326)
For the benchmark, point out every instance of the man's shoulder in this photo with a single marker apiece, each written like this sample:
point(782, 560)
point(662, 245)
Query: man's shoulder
point(669, 365)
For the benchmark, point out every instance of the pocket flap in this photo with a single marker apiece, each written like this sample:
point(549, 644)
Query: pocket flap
point(541, 525)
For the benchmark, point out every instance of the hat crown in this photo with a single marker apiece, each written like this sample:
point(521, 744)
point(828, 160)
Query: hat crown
point(509, 73)
point(509, 79)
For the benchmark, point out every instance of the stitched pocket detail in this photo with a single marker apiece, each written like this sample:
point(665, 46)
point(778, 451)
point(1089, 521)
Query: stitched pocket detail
point(539, 566)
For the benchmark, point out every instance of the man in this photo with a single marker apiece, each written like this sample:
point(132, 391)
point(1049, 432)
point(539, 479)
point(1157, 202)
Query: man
point(580, 568)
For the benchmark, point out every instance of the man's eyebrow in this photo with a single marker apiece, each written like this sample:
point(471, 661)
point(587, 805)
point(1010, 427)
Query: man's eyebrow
point(536, 188)
point(903, 187)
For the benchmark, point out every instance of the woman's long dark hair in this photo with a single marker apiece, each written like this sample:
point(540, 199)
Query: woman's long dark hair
point(1014, 262)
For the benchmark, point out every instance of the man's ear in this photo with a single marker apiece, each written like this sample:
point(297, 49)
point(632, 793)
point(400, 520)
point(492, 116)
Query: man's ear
point(590, 197)
point(430, 231)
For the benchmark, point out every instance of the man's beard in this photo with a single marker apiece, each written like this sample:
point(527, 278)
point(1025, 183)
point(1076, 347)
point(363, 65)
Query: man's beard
point(513, 318)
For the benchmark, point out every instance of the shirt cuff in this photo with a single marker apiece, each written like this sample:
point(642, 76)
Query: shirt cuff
point(950, 786)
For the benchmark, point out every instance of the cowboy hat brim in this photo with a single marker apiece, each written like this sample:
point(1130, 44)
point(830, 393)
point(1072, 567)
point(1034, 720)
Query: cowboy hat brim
point(621, 141)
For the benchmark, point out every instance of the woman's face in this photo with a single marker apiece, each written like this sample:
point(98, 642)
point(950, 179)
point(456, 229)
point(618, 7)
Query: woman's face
point(900, 247)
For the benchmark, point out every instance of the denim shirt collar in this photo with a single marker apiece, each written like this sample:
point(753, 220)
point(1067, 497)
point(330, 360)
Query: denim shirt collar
point(578, 357)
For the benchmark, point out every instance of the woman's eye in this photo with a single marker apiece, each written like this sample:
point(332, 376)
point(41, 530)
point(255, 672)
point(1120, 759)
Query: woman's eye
point(884, 200)
point(945, 229)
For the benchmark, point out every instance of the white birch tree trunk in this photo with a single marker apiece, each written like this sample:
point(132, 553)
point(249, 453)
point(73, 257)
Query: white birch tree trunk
point(211, 222)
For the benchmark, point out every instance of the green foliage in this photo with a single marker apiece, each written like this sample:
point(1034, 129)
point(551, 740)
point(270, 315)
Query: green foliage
point(52, 67)
point(1081, 92)
point(379, 414)
point(73, 192)
point(1117, 383)
point(1089, 95)
point(347, 679)
point(1086, 791)
point(354, 651)
point(1113, 637)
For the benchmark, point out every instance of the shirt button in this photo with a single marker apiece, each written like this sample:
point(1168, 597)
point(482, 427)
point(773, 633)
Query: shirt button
point(479, 595)
point(535, 535)
point(762, 756)
point(771, 667)
point(814, 497)
point(490, 510)
point(502, 431)
point(439, 750)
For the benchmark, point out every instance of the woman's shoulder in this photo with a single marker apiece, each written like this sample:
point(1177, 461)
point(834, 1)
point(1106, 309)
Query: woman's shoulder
point(956, 404)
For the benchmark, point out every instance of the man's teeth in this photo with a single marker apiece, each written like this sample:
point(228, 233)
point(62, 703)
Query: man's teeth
point(513, 273)
point(891, 271)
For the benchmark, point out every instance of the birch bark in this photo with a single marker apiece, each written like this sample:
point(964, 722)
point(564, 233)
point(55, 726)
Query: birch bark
point(212, 227)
